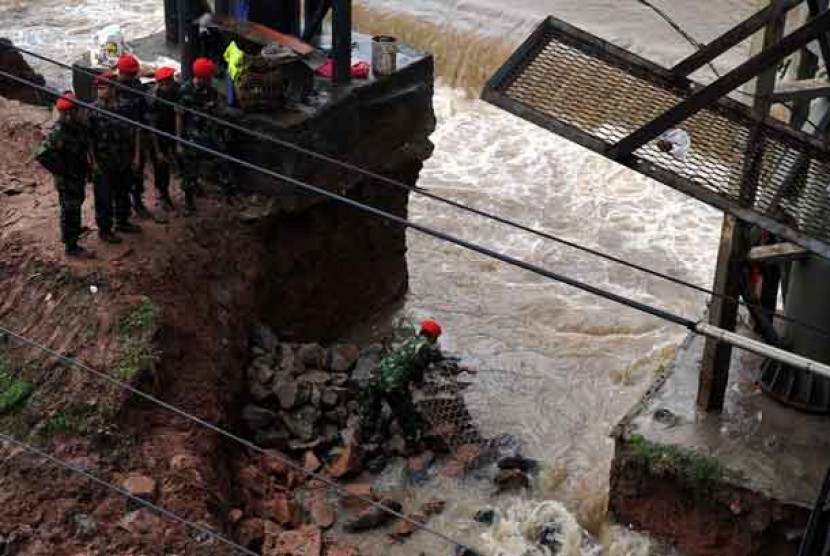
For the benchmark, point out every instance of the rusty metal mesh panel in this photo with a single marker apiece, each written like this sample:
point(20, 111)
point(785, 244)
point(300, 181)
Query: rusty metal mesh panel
point(596, 95)
point(441, 403)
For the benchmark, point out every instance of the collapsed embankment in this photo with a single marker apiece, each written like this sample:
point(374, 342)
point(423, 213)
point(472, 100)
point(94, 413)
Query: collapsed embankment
point(169, 311)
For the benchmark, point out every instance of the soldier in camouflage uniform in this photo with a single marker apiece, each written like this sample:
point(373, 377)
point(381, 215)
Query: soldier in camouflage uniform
point(406, 365)
point(115, 157)
point(163, 117)
point(67, 146)
point(135, 107)
point(199, 94)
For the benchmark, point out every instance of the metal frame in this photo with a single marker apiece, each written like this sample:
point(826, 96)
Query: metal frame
point(495, 92)
point(731, 38)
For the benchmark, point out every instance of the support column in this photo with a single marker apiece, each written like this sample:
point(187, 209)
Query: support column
point(342, 40)
point(734, 245)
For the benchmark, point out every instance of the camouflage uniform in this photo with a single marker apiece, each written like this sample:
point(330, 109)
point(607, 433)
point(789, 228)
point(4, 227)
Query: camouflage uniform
point(395, 373)
point(163, 116)
point(135, 107)
point(203, 132)
point(70, 139)
point(113, 146)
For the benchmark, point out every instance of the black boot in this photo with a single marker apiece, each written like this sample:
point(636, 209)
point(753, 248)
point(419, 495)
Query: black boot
point(140, 210)
point(78, 252)
point(128, 228)
point(108, 237)
point(165, 201)
point(189, 203)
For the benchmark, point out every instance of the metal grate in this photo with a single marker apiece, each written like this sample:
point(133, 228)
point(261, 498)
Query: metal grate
point(595, 94)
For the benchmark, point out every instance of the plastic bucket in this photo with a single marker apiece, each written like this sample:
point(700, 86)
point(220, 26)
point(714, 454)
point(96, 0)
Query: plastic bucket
point(384, 55)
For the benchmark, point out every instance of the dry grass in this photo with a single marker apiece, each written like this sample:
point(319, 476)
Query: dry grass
point(462, 59)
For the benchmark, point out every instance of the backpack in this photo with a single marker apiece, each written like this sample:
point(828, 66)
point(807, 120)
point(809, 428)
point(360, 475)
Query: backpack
point(50, 158)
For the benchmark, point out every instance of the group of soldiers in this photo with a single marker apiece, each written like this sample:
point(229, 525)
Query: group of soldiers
point(113, 152)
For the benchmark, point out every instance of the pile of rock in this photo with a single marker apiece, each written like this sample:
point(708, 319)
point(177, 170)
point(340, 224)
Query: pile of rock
point(303, 396)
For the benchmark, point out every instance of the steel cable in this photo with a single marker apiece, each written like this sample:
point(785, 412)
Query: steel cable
point(426, 193)
point(126, 494)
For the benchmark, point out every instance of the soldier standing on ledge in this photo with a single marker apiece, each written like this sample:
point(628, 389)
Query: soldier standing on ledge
point(200, 94)
point(115, 156)
point(163, 117)
point(65, 153)
point(396, 372)
point(134, 106)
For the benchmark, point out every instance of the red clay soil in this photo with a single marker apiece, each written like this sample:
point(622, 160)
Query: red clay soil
point(203, 273)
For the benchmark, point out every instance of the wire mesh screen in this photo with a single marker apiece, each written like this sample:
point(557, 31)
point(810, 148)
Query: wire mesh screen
point(596, 94)
point(440, 402)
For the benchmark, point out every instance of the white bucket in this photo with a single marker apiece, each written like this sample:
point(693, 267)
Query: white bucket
point(384, 55)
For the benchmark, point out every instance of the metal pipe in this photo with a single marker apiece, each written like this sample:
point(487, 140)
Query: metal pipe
point(760, 348)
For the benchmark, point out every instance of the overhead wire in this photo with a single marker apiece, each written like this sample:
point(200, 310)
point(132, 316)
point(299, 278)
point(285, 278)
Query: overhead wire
point(698, 45)
point(339, 490)
point(127, 494)
point(610, 296)
point(424, 192)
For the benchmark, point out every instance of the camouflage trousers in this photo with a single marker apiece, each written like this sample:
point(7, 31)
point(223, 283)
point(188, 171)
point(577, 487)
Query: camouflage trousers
point(193, 164)
point(71, 196)
point(400, 402)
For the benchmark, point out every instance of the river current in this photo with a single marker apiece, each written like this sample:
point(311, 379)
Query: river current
point(559, 367)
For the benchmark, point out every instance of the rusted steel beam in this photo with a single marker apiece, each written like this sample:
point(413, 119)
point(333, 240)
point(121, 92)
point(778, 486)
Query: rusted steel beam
point(803, 89)
point(776, 253)
point(731, 38)
point(817, 7)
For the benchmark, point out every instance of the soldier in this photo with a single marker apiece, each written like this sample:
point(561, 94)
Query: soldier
point(199, 94)
point(404, 366)
point(135, 107)
point(115, 156)
point(163, 117)
point(65, 153)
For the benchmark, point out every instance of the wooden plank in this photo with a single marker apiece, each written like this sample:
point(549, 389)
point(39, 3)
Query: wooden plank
point(778, 252)
point(804, 89)
point(723, 313)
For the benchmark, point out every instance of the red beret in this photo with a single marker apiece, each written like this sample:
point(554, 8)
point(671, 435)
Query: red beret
point(164, 73)
point(203, 68)
point(431, 328)
point(65, 102)
point(128, 64)
point(104, 80)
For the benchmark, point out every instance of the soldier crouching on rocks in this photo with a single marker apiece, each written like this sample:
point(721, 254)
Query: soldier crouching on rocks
point(393, 377)
point(65, 153)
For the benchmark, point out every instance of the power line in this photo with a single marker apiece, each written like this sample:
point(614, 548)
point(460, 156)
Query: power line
point(126, 494)
point(578, 284)
point(426, 193)
point(339, 490)
point(705, 329)
point(659, 313)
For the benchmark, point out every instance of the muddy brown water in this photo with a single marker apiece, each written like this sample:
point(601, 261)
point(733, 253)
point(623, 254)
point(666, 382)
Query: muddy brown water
point(559, 367)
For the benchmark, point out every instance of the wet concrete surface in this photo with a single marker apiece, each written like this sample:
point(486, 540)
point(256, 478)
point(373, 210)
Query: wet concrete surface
point(761, 444)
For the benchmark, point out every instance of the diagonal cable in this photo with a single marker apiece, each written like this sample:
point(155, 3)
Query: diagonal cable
point(126, 494)
point(339, 490)
point(426, 193)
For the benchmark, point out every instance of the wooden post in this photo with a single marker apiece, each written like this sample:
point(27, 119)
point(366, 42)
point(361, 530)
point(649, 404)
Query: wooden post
point(723, 313)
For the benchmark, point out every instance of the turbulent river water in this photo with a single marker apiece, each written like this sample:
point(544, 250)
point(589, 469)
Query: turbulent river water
point(569, 365)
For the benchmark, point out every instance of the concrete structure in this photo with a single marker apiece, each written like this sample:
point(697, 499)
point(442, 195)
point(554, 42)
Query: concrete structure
point(738, 482)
